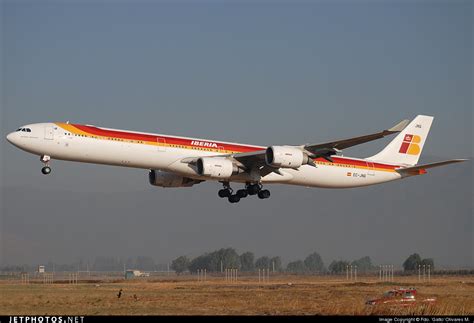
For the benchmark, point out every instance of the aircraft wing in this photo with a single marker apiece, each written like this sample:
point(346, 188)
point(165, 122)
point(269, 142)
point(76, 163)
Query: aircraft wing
point(330, 148)
point(251, 159)
point(324, 150)
point(256, 159)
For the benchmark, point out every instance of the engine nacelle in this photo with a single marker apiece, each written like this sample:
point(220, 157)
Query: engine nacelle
point(165, 179)
point(216, 167)
point(285, 157)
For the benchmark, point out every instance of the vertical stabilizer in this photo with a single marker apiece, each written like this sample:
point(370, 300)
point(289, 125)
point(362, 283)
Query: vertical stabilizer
point(406, 148)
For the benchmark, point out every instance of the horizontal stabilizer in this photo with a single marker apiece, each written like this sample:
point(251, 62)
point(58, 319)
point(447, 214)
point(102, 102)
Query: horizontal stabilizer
point(421, 169)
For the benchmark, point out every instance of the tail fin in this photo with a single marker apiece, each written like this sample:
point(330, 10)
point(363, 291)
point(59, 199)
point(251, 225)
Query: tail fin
point(406, 148)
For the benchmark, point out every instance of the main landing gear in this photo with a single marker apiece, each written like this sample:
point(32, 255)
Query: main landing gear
point(250, 189)
point(45, 160)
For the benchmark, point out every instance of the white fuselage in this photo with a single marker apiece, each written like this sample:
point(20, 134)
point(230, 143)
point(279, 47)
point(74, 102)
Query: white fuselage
point(92, 144)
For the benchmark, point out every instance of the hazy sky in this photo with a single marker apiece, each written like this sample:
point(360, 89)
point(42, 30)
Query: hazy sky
point(262, 73)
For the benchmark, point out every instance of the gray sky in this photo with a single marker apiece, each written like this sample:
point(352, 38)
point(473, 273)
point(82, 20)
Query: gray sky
point(262, 74)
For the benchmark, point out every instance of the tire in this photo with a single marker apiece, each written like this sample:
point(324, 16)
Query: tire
point(224, 193)
point(252, 189)
point(234, 198)
point(46, 170)
point(242, 193)
point(266, 193)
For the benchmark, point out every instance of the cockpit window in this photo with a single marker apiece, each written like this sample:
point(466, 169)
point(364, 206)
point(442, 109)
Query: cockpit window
point(24, 129)
point(19, 129)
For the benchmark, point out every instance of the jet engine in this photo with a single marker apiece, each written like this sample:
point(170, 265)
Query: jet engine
point(286, 157)
point(165, 179)
point(216, 167)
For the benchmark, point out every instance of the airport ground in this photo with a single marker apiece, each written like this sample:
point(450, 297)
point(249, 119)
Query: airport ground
point(185, 295)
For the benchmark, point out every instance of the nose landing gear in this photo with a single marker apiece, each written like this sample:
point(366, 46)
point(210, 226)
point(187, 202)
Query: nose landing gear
point(45, 160)
point(46, 170)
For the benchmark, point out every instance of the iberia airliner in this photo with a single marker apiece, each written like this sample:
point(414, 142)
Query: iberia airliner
point(182, 162)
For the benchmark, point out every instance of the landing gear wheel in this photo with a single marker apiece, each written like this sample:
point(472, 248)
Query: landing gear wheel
point(253, 189)
point(225, 192)
point(234, 198)
point(242, 193)
point(46, 170)
point(264, 194)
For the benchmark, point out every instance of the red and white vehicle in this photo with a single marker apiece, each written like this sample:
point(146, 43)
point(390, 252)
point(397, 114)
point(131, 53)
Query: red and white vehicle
point(182, 162)
point(400, 297)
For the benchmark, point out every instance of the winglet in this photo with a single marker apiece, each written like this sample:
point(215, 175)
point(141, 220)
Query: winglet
point(399, 126)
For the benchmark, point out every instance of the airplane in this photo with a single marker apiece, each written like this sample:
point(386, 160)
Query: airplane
point(183, 162)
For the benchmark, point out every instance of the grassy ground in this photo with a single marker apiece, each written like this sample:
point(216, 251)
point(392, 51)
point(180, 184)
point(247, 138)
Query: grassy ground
point(284, 295)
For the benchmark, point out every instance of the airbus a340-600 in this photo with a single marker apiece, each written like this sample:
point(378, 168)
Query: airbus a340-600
point(183, 162)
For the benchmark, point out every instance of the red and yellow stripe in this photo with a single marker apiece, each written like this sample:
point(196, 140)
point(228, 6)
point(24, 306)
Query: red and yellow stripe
point(186, 143)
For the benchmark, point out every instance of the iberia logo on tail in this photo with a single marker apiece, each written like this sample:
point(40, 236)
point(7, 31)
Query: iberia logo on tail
point(410, 145)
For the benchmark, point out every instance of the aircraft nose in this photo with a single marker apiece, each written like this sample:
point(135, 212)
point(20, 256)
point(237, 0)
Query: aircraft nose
point(10, 137)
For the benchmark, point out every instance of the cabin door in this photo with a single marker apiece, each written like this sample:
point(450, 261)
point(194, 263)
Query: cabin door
point(370, 169)
point(48, 133)
point(161, 144)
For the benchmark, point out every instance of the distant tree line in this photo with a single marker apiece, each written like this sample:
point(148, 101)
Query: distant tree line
point(225, 258)
point(229, 258)
point(414, 262)
point(313, 264)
